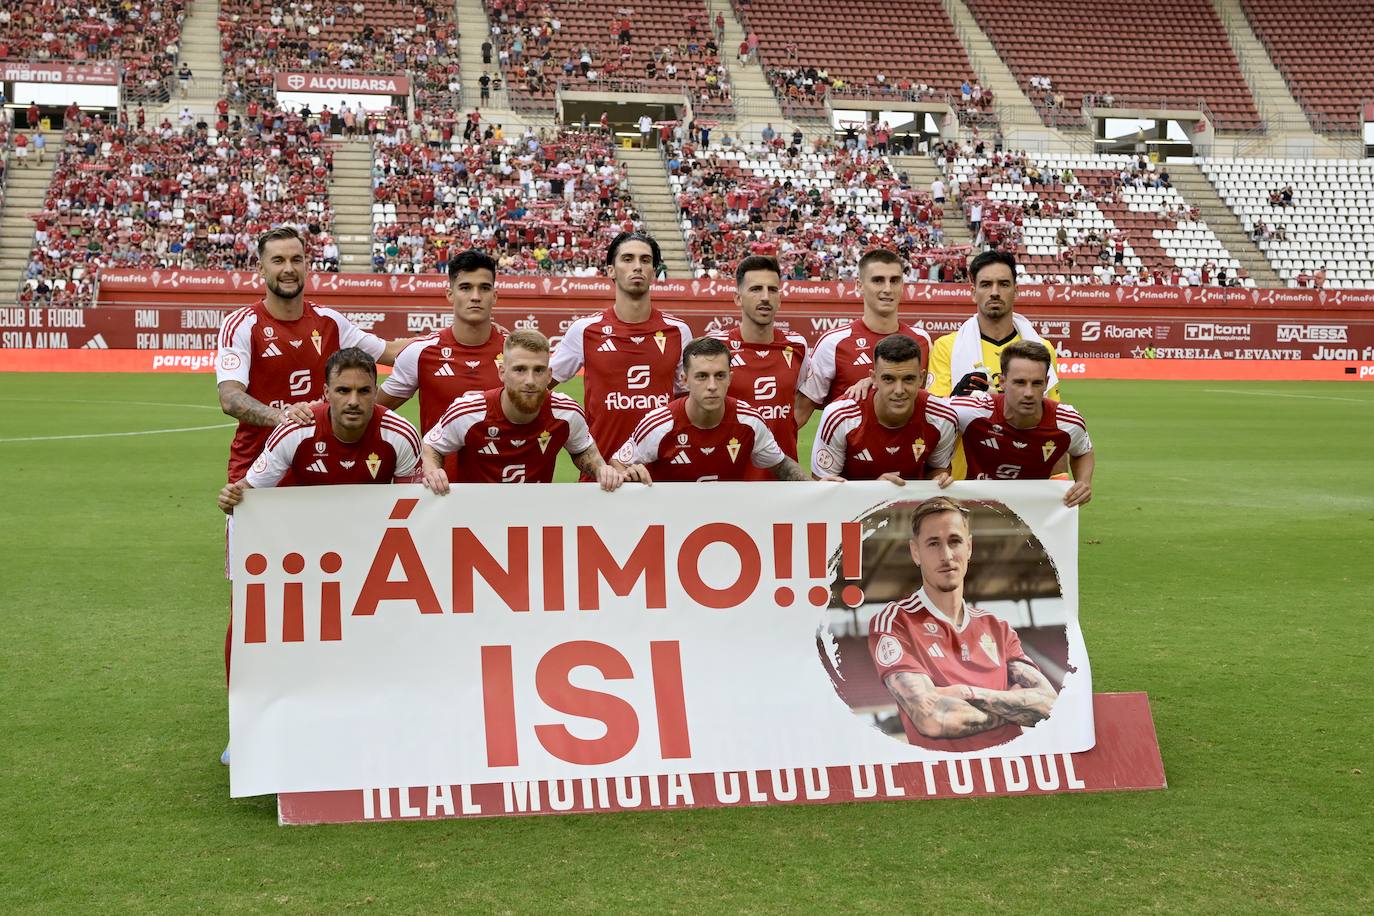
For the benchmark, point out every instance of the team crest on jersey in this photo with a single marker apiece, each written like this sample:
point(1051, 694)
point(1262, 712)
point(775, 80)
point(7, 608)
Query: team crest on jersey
point(734, 345)
point(493, 432)
point(733, 448)
point(1047, 449)
point(918, 448)
point(932, 627)
point(260, 465)
point(989, 647)
point(317, 341)
point(660, 340)
point(544, 438)
point(606, 329)
point(787, 356)
point(320, 447)
point(500, 360)
point(446, 352)
point(889, 651)
point(861, 342)
point(374, 464)
point(269, 332)
point(681, 438)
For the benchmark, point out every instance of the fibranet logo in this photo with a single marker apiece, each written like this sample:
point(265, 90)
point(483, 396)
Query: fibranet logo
point(1215, 331)
point(619, 400)
point(1313, 333)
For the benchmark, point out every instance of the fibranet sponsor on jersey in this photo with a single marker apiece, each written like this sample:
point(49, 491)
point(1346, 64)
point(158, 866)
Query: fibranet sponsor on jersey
point(619, 400)
point(1313, 333)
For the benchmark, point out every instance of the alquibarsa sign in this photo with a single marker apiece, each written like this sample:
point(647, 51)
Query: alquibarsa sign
point(360, 83)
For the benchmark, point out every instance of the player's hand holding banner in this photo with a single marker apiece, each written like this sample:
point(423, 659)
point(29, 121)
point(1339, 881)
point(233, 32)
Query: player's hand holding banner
point(496, 651)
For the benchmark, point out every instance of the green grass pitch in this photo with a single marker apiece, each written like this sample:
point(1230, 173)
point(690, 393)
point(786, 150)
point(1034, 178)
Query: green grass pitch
point(1226, 569)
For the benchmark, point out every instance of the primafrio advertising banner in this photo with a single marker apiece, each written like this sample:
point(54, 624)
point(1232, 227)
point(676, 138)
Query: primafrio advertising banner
point(509, 639)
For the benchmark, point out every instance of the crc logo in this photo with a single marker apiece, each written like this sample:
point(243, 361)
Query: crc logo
point(299, 382)
point(637, 377)
point(765, 388)
point(295, 81)
point(1092, 330)
point(513, 473)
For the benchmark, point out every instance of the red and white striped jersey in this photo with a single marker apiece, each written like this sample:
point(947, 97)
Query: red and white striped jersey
point(845, 355)
point(628, 369)
point(913, 636)
point(280, 363)
point(996, 450)
point(766, 376)
point(674, 449)
point(854, 444)
point(301, 455)
point(490, 448)
point(442, 370)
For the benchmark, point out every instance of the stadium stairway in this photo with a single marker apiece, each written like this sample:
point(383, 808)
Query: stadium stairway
point(200, 50)
point(350, 195)
point(1287, 129)
point(25, 191)
point(1020, 122)
point(754, 102)
point(922, 171)
point(474, 27)
point(654, 200)
point(1222, 220)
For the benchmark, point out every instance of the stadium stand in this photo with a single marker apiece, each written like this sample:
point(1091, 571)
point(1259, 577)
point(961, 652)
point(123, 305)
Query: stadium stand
point(419, 40)
point(142, 36)
point(1298, 36)
point(811, 49)
point(602, 45)
point(1097, 219)
point(1115, 51)
point(1322, 232)
point(169, 196)
point(816, 211)
point(537, 207)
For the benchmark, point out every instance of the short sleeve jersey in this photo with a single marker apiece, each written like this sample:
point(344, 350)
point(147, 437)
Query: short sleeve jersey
point(674, 449)
point(441, 369)
point(300, 455)
point(628, 369)
point(845, 355)
point(765, 376)
point(854, 444)
point(280, 363)
point(942, 383)
point(913, 636)
point(489, 448)
point(996, 450)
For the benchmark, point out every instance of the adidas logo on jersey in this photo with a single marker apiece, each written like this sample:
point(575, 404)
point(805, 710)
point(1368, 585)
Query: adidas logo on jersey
point(607, 347)
point(681, 458)
point(318, 467)
point(863, 359)
point(736, 361)
point(863, 455)
point(445, 369)
point(488, 449)
point(272, 350)
point(991, 443)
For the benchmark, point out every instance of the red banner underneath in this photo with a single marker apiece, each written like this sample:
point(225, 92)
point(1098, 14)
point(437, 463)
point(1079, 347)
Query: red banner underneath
point(98, 73)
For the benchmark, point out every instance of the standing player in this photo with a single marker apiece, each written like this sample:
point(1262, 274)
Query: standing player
point(350, 438)
point(1021, 434)
point(629, 353)
point(844, 357)
point(766, 362)
point(512, 434)
point(958, 674)
point(463, 357)
point(272, 353)
point(970, 359)
point(705, 435)
point(899, 433)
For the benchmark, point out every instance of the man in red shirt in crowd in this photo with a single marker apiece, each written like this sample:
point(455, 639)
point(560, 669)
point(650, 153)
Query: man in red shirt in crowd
point(843, 357)
point(766, 362)
point(630, 353)
point(959, 675)
point(461, 358)
point(705, 435)
point(898, 433)
point(513, 433)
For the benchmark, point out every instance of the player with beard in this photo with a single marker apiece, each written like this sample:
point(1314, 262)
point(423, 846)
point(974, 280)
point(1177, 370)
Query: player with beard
point(513, 434)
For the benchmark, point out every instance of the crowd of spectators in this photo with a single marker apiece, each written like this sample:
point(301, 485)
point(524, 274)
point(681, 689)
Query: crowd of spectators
point(816, 210)
point(417, 39)
point(537, 204)
point(142, 34)
point(177, 194)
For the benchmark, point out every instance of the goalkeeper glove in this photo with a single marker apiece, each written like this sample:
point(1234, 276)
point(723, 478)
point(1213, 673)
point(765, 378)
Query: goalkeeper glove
point(974, 381)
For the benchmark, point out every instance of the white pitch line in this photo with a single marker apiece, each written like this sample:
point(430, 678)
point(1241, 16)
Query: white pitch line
point(94, 401)
point(141, 432)
point(1280, 394)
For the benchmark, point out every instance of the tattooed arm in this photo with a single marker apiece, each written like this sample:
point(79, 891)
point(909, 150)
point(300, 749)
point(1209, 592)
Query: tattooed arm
point(1028, 702)
point(787, 469)
point(935, 713)
point(235, 400)
point(589, 462)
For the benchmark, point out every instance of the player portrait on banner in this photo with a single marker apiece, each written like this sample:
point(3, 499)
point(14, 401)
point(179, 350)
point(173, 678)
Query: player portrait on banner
point(920, 657)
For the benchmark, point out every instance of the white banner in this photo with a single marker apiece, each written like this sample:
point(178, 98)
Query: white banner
point(384, 636)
